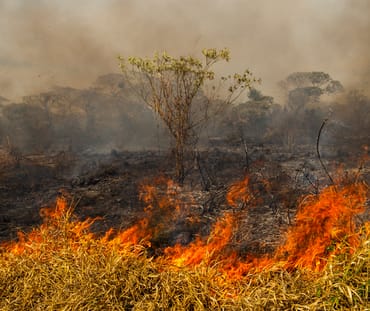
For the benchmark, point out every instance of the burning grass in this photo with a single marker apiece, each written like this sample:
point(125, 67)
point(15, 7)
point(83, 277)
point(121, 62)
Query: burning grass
point(323, 264)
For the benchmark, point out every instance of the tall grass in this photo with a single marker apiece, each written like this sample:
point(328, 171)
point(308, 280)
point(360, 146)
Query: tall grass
point(61, 265)
point(87, 274)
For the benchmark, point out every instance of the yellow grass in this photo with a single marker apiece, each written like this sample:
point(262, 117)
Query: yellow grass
point(62, 272)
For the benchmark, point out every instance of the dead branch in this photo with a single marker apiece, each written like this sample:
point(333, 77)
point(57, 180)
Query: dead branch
point(318, 152)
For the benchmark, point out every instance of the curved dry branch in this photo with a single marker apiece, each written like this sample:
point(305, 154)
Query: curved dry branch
point(318, 152)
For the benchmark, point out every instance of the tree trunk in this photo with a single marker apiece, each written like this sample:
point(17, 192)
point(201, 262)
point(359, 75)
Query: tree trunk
point(180, 159)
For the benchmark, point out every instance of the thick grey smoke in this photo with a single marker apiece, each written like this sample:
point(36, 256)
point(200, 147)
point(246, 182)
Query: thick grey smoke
point(45, 43)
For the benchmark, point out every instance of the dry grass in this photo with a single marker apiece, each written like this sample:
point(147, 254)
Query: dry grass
point(61, 265)
point(63, 272)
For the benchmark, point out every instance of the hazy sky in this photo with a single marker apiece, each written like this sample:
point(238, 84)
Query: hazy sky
point(53, 42)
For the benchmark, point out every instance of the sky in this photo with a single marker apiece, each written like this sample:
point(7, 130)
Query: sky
point(46, 43)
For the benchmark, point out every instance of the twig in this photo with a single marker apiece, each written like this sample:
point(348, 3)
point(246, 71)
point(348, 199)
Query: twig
point(318, 152)
point(245, 150)
point(205, 181)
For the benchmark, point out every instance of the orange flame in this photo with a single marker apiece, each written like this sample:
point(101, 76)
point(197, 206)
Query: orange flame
point(200, 251)
point(58, 230)
point(137, 234)
point(239, 193)
point(163, 194)
point(163, 206)
point(55, 213)
point(321, 223)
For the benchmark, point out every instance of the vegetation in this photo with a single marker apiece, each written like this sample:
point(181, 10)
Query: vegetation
point(62, 266)
point(303, 88)
point(94, 278)
point(109, 115)
point(170, 85)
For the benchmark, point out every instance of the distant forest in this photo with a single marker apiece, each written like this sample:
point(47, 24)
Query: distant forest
point(109, 116)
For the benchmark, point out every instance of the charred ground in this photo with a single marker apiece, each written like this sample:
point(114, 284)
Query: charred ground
point(108, 187)
point(79, 144)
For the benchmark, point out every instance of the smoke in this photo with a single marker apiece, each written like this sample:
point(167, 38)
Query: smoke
point(45, 43)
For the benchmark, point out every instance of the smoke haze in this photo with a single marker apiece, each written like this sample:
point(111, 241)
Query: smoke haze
point(46, 43)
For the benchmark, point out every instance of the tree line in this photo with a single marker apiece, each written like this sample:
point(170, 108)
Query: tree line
point(180, 103)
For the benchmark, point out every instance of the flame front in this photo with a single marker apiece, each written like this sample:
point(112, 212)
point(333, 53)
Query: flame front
point(323, 223)
point(203, 251)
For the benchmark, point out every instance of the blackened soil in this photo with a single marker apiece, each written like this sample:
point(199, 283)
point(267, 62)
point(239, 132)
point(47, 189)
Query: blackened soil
point(107, 186)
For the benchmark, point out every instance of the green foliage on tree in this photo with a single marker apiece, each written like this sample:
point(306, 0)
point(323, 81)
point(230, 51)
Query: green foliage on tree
point(169, 85)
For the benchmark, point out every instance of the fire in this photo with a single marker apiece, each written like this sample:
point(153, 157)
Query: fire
point(162, 207)
point(239, 193)
point(54, 214)
point(134, 235)
point(200, 251)
point(162, 194)
point(323, 223)
point(58, 231)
